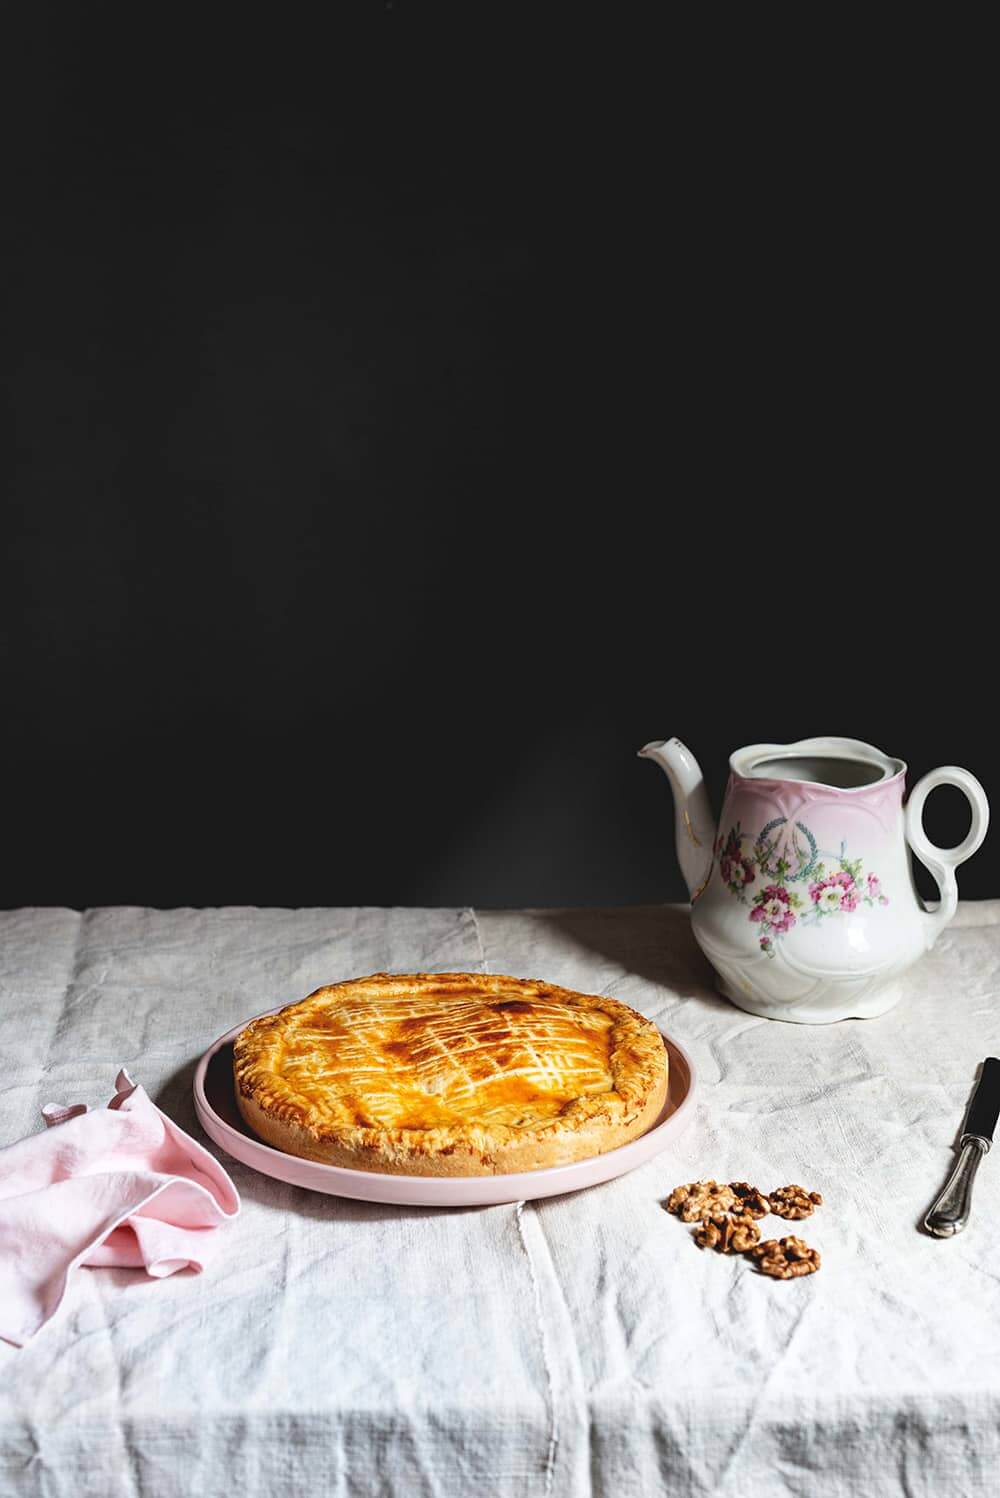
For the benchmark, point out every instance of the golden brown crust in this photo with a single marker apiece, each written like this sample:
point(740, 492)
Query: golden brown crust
point(450, 1074)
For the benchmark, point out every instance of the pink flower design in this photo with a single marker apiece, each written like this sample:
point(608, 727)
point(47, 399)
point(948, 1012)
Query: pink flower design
point(729, 846)
point(773, 908)
point(837, 892)
point(777, 907)
point(737, 872)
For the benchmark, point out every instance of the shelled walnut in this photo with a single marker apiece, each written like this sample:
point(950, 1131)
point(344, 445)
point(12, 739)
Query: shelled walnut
point(794, 1202)
point(786, 1258)
point(700, 1199)
point(728, 1234)
point(751, 1200)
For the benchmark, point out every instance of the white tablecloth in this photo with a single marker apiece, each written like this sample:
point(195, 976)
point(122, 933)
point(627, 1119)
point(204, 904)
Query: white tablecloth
point(580, 1346)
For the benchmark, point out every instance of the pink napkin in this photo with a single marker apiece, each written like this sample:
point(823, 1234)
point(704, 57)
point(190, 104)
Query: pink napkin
point(120, 1186)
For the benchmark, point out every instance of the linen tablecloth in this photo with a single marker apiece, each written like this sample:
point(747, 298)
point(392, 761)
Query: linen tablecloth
point(579, 1345)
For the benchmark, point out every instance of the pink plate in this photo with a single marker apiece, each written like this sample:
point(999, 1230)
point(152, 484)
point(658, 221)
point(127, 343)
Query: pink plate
point(215, 1104)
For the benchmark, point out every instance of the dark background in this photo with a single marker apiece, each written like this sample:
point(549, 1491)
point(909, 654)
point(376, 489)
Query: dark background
point(409, 423)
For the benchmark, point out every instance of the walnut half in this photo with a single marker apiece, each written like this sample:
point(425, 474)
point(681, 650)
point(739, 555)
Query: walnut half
point(794, 1202)
point(786, 1258)
point(728, 1235)
point(700, 1199)
point(751, 1200)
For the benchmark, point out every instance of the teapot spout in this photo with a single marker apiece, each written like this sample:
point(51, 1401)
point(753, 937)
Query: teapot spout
point(694, 824)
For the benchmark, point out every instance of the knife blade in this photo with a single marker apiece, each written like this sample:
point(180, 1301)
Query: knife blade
point(984, 1110)
point(950, 1212)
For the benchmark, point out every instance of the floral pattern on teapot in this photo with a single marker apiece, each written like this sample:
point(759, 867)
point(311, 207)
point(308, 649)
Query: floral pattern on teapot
point(786, 854)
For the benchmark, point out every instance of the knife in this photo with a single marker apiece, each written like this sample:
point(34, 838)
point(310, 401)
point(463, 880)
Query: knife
point(950, 1212)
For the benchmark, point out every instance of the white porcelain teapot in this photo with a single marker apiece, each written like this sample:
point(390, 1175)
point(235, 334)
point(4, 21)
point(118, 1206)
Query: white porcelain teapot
point(804, 901)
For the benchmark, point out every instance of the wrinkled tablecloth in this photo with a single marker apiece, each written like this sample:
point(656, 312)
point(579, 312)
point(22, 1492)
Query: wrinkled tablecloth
point(580, 1345)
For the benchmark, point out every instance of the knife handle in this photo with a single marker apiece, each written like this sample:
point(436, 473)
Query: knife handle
point(950, 1212)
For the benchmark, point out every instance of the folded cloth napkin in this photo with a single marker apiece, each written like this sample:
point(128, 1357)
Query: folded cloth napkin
point(120, 1186)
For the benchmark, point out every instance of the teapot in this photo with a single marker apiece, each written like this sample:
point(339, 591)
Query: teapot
point(803, 898)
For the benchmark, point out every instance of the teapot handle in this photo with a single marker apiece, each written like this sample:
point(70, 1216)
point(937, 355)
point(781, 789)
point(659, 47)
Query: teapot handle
point(942, 862)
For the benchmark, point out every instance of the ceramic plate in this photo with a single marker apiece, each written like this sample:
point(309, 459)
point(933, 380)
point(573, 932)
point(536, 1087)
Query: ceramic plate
point(215, 1104)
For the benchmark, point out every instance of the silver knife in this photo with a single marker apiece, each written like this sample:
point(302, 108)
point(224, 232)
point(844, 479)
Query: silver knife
point(950, 1212)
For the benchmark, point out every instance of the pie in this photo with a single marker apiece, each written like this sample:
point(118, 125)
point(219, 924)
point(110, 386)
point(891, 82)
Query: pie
point(450, 1074)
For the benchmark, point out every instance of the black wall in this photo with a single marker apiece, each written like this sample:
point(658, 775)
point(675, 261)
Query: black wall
point(409, 425)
